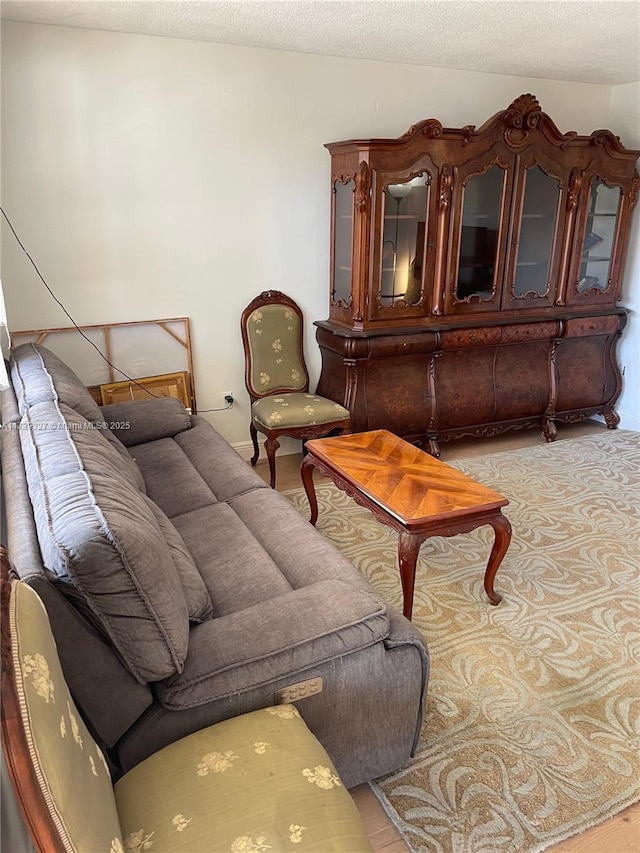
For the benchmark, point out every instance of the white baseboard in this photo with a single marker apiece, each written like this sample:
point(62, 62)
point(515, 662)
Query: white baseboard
point(630, 422)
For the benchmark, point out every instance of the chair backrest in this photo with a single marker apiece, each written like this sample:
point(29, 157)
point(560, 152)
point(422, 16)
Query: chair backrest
point(272, 336)
point(60, 777)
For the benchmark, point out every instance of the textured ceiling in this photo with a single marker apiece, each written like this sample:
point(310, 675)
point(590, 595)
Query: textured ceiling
point(590, 41)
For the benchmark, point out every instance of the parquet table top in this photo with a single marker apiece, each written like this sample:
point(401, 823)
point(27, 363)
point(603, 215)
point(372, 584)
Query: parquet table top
point(410, 491)
point(408, 483)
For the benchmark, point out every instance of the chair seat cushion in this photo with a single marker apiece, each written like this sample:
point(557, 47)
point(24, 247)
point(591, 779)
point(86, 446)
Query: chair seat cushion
point(260, 781)
point(296, 410)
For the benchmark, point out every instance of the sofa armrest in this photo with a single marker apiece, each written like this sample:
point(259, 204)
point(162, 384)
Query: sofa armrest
point(275, 639)
point(139, 421)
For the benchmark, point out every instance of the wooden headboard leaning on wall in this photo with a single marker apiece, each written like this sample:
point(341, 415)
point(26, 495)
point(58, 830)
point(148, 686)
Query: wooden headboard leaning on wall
point(156, 354)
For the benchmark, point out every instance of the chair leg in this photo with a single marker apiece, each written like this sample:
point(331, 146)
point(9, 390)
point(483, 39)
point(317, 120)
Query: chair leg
point(271, 445)
point(256, 447)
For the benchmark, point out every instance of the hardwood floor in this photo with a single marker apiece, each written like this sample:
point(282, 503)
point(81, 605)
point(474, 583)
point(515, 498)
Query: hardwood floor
point(619, 834)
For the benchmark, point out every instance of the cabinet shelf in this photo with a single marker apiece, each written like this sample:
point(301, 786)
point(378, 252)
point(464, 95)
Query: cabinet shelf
point(474, 265)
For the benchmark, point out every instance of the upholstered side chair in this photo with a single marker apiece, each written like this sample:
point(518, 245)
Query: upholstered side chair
point(277, 379)
point(258, 781)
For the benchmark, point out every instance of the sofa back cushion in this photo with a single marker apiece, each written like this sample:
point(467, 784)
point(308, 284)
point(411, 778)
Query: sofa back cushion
point(39, 376)
point(139, 421)
point(98, 531)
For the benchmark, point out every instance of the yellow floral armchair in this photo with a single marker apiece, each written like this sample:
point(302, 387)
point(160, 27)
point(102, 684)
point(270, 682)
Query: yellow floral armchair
point(257, 782)
point(277, 379)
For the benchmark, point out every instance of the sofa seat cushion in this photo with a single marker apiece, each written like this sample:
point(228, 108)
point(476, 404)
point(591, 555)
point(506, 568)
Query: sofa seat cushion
point(257, 547)
point(236, 569)
point(195, 591)
point(275, 639)
point(260, 781)
point(97, 530)
point(196, 468)
point(217, 462)
point(171, 480)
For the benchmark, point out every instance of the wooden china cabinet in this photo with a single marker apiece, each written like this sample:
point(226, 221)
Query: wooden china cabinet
point(475, 277)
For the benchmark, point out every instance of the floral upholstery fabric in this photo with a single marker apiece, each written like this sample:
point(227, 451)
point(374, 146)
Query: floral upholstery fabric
point(296, 410)
point(274, 333)
point(64, 754)
point(257, 782)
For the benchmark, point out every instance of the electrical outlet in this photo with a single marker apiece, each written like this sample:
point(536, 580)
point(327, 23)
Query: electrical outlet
point(227, 398)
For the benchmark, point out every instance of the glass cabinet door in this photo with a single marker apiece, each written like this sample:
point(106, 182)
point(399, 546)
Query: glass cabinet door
point(477, 248)
point(402, 249)
point(537, 231)
point(342, 250)
point(598, 241)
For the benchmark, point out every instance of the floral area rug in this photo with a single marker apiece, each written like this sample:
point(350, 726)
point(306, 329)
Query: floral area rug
point(532, 727)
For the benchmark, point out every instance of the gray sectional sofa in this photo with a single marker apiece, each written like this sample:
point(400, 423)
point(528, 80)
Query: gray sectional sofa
point(182, 590)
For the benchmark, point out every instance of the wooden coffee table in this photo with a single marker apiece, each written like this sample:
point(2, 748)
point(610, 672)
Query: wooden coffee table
point(410, 491)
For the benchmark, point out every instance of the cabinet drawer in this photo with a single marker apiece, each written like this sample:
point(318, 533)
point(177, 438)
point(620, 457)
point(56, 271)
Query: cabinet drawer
point(393, 345)
point(582, 327)
point(458, 338)
point(529, 332)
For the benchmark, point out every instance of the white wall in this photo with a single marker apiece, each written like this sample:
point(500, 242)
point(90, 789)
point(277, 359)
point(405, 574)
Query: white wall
point(153, 177)
point(625, 121)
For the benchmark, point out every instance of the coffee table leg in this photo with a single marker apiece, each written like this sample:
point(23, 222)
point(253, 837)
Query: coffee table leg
point(408, 550)
point(502, 530)
point(306, 475)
